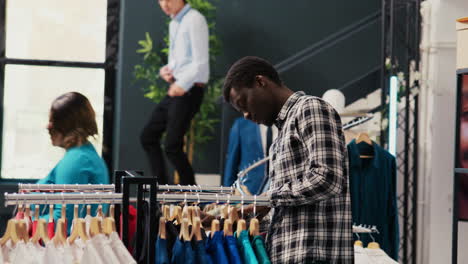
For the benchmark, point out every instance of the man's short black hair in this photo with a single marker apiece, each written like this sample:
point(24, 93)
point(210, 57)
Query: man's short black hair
point(242, 74)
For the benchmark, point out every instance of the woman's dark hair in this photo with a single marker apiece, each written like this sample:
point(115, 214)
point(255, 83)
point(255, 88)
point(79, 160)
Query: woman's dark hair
point(72, 115)
point(242, 74)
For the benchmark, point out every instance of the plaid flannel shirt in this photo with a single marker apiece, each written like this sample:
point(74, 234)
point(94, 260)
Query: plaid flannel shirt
point(311, 218)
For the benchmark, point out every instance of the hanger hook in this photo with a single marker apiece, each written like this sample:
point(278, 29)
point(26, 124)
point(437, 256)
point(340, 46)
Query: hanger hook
point(357, 234)
point(373, 239)
point(180, 187)
point(185, 199)
point(255, 206)
point(242, 206)
point(217, 199)
point(44, 207)
point(84, 203)
point(167, 186)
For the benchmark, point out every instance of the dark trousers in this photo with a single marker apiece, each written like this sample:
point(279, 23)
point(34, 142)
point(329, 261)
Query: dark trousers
point(172, 115)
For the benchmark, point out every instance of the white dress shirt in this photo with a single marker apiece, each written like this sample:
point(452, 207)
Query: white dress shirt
point(188, 48)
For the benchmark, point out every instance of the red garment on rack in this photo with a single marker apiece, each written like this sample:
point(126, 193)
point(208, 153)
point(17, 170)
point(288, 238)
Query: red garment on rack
point(51, 229)
point(132, 221)
point(34, 228)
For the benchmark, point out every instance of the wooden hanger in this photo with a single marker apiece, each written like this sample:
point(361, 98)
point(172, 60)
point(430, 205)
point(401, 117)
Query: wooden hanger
point(227, 229)
point(254, 227)
point(36, 213)
point(364, 137)
point(224, 211)
point(63, 212)
point(22, 231)
point(187, 214)
point(373, 245)
point(88, 210)
point(358, 243)
point(109, 222)
point(166, 212)
point(79, 231)
point(59, 237)
point(51, 213)
point(233, 214)
point(184, 230)
point(99, 211)
point(196, 229)
point(10, 233)
point(162, 228)
point(95, 227)
point(75, 212)
point(241, 226)
point(177, 214)
point(195, 212)
point(27, 211)
point(41, 232)
point(214, 226)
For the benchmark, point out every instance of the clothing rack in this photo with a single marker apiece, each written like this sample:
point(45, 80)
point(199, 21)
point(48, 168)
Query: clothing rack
point(62, 198)
point(30, 187)
point(357, 121)
point(117, 198)
point(365, 229)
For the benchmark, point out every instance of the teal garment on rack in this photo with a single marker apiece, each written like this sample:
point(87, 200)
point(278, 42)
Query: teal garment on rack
point(259, 246)
point(245, 248)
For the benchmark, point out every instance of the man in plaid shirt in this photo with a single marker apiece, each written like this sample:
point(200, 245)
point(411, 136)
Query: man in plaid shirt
point(311, 219)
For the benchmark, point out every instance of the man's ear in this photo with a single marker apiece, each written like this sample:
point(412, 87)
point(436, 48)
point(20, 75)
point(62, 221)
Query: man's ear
point(260, 80)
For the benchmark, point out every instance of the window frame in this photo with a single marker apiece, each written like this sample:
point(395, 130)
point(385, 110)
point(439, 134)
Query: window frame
point(109, 67)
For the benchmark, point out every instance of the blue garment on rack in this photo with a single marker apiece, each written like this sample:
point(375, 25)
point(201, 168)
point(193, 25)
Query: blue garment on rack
point(201, 257)
point(246, 250)
point(215, 249)
point(161, 251)
point(244, 148)
point(230, 245)
point(182, 252)
point(372, 184)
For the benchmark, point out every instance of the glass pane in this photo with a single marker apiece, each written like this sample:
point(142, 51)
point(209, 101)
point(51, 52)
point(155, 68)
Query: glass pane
point(29, 91)
point(72, 30)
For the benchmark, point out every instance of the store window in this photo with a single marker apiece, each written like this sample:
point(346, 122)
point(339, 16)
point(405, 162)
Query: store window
point(51, 47)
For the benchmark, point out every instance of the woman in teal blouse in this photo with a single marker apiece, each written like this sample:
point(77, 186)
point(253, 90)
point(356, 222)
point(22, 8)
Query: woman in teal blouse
point(71, 122)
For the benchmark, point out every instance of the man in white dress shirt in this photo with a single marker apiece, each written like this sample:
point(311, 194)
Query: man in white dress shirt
point(186, 73)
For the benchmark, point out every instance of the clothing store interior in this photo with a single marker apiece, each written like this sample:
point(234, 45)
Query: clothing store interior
point(230, 131)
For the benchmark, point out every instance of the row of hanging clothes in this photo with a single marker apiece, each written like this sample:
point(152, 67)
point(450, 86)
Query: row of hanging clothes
point(92, 239)
point(370, 253)
point(227, 238)
point(373, 189)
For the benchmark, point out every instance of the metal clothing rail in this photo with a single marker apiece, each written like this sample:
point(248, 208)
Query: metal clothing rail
point(357, 122)
point(365, 229)
point(116, 198)
point(30, 187)
point(62, 198)
point(195, 188)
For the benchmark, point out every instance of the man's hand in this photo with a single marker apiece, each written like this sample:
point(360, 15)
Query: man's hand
point(260, 211)
point(166, 74)
point(175, 90)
